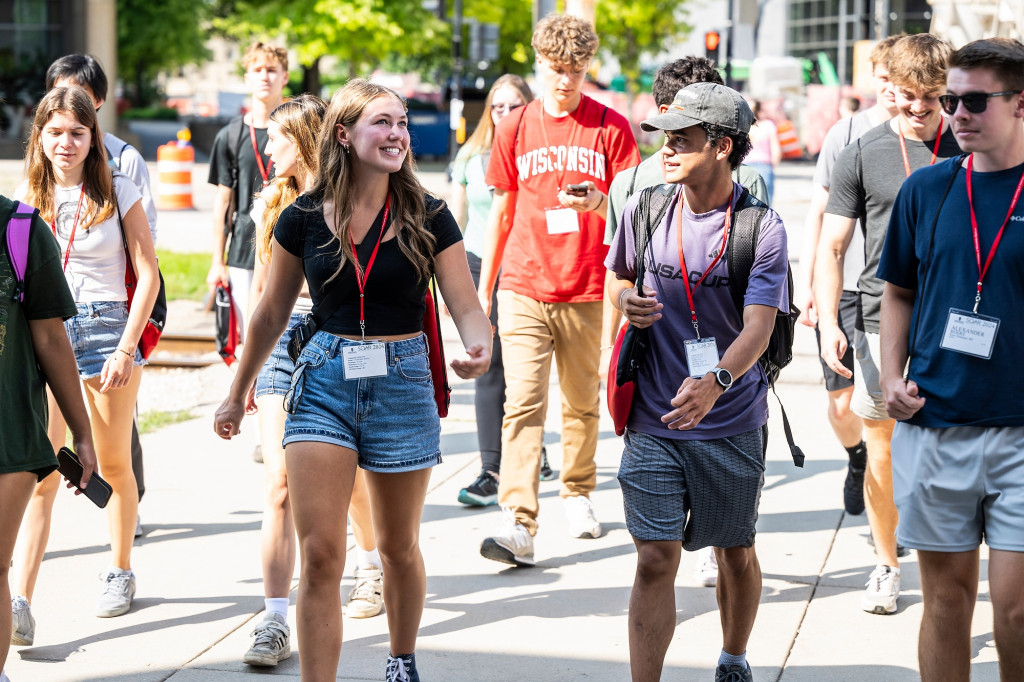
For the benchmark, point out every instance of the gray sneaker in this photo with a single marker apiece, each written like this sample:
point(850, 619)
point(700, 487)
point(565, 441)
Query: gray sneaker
point(272, 644)
point(24, 631)
point(117, 595)
point(733, 673)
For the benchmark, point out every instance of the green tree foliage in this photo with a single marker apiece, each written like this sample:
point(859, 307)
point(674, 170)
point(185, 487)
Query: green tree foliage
point(360, 33)
point(515, 21)
point(155, 36)
point(631, 30)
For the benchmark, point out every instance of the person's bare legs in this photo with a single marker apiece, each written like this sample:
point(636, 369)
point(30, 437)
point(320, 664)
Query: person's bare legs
point(878, 500)
point(739, 595)
point(1005, 575)
point(35, 533)
point(320, 480)
point(360, 513)
point(15, 491)
point(396, 501)
point(848, 427)
point(949, 585)
point(277, 533)
point(652, 607)
point(111, 415)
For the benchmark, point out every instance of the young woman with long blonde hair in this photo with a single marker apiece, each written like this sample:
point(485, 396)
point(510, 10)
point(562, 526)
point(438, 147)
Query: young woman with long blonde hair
point(361, 394)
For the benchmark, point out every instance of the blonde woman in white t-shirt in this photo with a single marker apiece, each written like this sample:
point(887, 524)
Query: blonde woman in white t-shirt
point(75, 191)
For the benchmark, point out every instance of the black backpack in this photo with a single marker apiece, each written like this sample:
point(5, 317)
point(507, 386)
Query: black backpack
point(748, 214)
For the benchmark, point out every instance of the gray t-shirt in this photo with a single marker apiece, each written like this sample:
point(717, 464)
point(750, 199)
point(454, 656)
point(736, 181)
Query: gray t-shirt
point(841, 134)
point(869, 196)
point(129, 161)
point(649, 174)
point(744, 406)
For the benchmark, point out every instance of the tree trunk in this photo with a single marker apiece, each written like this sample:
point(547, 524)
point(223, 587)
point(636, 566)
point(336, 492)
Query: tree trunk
point(311, 77)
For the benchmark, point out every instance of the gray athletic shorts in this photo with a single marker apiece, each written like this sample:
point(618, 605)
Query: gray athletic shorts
point(867, 401)
point(957, 485)
point(703, 493)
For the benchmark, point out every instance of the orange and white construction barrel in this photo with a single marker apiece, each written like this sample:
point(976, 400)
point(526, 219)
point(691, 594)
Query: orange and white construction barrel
point(174, 162)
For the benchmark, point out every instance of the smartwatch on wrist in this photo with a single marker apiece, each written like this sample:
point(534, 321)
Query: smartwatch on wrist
point(723, 377)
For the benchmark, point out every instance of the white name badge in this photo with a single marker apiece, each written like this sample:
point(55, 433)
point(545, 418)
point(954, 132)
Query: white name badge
point(701, 355)
point(970, 333)
point(367, 360)
point(562, 220)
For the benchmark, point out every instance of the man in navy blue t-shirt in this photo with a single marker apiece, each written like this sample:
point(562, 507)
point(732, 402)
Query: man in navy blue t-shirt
point(953, 263)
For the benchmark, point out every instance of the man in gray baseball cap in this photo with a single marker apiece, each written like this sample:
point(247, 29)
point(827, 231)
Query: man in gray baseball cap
point(704, 103)
point(701, 395)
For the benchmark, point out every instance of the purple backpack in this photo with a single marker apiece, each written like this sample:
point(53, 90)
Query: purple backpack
point(18, 230)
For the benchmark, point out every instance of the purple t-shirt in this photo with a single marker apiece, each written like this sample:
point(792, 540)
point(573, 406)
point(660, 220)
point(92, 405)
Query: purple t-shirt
point(744, 407)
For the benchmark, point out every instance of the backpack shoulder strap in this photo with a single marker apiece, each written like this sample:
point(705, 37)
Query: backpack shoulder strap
point(748, 214)
point(235, 127)
point(650, 210)
point(19, 230)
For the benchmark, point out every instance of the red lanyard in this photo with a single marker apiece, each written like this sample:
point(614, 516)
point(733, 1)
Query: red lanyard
point(572, 136)
point(264, 170)
point(903, 147)
point(982, 271)
point(74, 226)
point(361, 280)
point(682, 259)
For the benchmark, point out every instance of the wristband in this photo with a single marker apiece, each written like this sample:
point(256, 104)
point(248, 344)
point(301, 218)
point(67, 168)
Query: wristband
point(131, 355)
point(599, 202)
point(621, 294)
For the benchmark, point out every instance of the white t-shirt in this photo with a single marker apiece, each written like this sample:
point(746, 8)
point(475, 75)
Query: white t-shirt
point(96, 264)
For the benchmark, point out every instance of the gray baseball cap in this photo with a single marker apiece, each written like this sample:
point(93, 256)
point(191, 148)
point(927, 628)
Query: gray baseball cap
point(704, 103)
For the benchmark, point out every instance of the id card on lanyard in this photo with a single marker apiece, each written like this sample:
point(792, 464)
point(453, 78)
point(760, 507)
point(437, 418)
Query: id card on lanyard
point(966, 331)
point(559, 219)
point(367, 359)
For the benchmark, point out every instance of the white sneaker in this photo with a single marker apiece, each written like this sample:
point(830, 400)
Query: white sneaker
point(580, 512)
point(883, 590)
point(512, 544)
point(705, 571)
point(366, 598)
point(24, 631)
point(272, 642)
point(117, 595)
point(138, 526)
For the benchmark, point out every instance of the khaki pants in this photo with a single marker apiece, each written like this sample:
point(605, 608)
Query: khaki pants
point(530, 332)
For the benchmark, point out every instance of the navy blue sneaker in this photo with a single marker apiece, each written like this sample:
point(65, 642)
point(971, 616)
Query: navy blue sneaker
point(402, 669)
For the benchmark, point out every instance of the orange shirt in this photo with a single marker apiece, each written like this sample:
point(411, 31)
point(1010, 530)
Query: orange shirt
point(533, 158)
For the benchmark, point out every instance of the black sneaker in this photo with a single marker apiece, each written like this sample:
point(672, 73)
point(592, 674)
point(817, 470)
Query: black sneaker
point(482, 492)
point(546, 474)
point(853, 491)
point(901, 551)
point(401, 669)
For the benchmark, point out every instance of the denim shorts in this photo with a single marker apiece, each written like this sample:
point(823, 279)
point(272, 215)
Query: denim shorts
point(703, 493)
point(95, 332)
point(276, 376)
point(391, 420)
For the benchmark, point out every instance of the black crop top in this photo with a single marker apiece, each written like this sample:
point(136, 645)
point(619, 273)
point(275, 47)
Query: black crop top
point(394, 292)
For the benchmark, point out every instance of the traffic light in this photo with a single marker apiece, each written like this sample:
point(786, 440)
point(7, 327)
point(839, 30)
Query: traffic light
point(712, 41)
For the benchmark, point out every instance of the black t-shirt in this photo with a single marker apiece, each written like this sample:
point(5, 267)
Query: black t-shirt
point(241, 250)
point(394, 292)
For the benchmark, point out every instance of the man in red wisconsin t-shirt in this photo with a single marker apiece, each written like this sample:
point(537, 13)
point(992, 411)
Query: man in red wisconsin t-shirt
point(548, 238)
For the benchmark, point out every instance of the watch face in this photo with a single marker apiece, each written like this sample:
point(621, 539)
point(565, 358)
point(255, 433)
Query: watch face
point(724, 377)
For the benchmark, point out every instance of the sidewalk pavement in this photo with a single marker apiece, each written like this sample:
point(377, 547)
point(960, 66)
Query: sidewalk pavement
point(200, 590)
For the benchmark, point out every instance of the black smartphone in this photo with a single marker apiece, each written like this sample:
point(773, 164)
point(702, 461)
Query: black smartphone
point(70, 467)
point(578, 190)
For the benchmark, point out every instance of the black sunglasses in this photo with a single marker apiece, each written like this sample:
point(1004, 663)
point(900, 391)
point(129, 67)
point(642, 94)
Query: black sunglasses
point(974, 102)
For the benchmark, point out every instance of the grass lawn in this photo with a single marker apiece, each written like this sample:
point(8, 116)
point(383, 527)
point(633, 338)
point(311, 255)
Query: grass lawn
point(151, 421)
point(184, 274)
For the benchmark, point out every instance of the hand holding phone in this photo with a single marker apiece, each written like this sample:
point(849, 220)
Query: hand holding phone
point(70, 467)
point(578, 190)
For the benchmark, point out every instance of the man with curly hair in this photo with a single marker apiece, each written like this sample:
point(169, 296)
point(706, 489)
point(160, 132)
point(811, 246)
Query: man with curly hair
point(551, 165)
